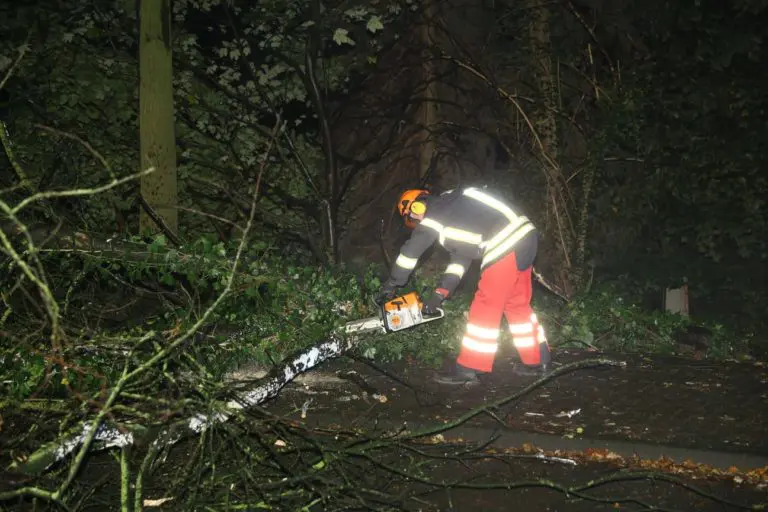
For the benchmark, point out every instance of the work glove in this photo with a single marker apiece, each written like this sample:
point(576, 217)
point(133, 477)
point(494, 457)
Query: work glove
point(432, 304)
point(386, 294)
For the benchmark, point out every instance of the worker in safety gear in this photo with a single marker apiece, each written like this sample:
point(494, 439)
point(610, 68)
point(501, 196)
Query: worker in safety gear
point(475, 224)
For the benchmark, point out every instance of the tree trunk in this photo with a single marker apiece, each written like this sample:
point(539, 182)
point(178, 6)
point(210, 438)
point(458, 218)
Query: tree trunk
point(559, 227)
point(156, 119)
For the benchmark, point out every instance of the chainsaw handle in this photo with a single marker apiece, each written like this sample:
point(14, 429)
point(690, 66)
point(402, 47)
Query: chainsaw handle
point(440, 314)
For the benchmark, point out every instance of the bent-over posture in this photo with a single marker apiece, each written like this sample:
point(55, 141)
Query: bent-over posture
point(475, 224)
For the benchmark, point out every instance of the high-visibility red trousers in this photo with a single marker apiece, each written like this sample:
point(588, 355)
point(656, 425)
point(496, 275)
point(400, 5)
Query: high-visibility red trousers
point(503, 290)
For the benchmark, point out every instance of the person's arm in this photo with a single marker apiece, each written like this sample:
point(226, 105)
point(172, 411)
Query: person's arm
point(422, 239)
point(425, 234)
point(453, 275)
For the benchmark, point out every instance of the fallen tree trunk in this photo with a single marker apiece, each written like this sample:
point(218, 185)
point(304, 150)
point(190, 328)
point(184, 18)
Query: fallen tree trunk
point(110, 436)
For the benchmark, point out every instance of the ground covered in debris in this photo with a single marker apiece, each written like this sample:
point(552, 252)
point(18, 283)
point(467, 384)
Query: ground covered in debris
point(651, 433)
point(553, 486)
point(438, 475)
point(654, 399)
point(700, 422)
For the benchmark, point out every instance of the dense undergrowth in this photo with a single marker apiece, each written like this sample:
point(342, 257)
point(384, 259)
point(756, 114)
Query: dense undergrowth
point(277, 306)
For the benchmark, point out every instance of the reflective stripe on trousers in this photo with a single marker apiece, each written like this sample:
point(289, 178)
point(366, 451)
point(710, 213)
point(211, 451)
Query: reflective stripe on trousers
point(529, 339)
point(503, 290)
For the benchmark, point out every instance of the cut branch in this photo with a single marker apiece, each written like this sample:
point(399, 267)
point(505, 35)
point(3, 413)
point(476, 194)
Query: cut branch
point(107, 436)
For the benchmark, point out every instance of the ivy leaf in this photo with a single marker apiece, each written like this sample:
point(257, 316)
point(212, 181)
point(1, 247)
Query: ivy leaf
point(157, 244)
point(374, 24)
point(356, 13)
point(341, 36)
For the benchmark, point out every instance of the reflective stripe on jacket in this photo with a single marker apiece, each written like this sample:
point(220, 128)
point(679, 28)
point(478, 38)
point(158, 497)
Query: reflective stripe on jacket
point(470, 224)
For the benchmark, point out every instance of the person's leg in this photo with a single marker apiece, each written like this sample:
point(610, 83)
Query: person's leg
point(527, 334)
point(481, 338)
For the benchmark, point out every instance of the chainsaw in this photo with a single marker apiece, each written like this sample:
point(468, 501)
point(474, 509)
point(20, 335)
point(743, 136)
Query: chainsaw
point(395, 315)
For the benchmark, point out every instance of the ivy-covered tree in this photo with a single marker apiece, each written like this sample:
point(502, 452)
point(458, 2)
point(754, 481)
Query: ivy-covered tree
point(156, 119)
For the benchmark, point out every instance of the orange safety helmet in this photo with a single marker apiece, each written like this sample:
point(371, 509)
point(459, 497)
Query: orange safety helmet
point(409, 202)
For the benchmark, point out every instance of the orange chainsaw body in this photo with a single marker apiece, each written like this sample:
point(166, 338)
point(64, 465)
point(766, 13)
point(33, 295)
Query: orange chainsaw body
point(402, 312)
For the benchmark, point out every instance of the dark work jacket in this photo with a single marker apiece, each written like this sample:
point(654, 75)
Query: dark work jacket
point(471, 223)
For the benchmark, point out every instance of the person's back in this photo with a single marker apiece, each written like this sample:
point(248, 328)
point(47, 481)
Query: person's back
point(461, 211)
point(473, 222)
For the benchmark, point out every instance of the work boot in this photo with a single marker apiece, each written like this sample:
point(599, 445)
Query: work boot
point(526, 370)
point(458, 376)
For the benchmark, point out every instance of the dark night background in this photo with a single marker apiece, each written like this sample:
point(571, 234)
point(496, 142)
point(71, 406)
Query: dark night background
point(631, 132)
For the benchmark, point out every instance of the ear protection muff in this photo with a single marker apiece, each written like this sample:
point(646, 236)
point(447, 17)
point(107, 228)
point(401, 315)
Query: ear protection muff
point(418, 208)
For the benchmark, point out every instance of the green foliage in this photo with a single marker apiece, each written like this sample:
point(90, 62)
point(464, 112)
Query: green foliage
point(27, 371)
point(237, 65)
point(610, 320)
point(606, 320)
point(278, 305)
